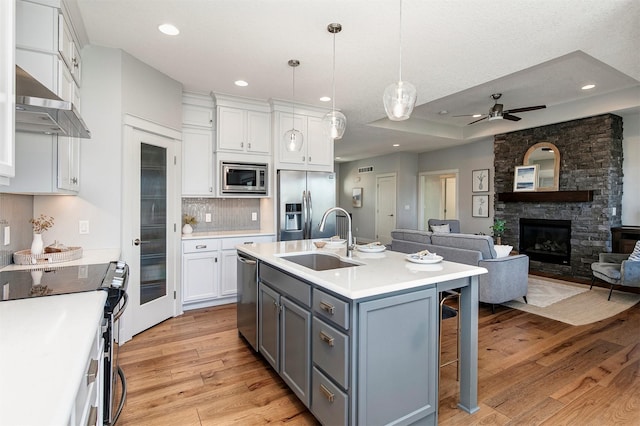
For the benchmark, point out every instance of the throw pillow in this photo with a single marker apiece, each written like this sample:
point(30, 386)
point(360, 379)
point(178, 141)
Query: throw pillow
point(635, 254)
point(440, 229)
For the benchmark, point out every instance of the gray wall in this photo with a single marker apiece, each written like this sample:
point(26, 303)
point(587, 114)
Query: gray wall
point(404, 165)
point(15, 212)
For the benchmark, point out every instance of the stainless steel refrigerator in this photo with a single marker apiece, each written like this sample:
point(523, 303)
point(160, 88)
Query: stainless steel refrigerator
point(303, 197)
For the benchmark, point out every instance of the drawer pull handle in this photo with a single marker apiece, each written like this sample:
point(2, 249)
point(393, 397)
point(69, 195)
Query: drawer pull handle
point(325, 337)
point(327, 393)
point(248, 243)
point(92, 371)
point(327, 307)
point(201, 246)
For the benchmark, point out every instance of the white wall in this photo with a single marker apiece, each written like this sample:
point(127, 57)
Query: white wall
point(114, 83)
point(631, 170)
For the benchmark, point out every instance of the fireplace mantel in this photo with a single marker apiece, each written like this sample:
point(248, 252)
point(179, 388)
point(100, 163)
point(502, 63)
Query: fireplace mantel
point(546, 197)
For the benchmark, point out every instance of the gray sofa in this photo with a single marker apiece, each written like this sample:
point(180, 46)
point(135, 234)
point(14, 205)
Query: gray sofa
point(507, 277)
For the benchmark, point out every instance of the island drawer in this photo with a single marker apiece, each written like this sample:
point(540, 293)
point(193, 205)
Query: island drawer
point(286, 284)
point(231, 243)
point(331, 308)
point(331, 351)
point(328, 403)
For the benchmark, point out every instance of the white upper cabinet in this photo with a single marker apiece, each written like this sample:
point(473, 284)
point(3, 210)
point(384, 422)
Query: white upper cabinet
point(69, 50)
point(244, 126)
point(7, 91)
point(198, 167)
point(316, 153)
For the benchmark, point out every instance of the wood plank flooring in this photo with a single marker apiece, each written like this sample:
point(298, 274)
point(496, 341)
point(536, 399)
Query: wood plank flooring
point(195, 370)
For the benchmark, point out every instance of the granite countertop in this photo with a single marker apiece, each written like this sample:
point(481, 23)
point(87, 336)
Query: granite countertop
point(377, 273)
point(224, 234)
point(46, 342)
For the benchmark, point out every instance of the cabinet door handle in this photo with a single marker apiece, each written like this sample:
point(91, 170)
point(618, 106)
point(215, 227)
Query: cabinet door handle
point(241, 144)
point(201, 246)
point(327, 307)
point(309, 158)
point(249, 145)
point(92, 371)
point(326, 338)
point(327, 393)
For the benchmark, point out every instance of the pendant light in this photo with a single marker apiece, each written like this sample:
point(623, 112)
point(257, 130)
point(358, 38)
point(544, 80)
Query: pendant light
point(334, 122)
point(293, 138)
point(399, 98)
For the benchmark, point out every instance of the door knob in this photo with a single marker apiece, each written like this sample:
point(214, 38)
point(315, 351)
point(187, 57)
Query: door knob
point(138, 241)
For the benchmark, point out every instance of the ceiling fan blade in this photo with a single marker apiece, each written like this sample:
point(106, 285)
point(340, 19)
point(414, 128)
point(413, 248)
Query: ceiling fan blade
point(525, 109)
point(510, 117)
point(464, 115)
point(479, 119)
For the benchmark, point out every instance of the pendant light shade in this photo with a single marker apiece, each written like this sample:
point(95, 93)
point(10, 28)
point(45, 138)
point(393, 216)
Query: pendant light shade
point(399, 98)
point(293, 138)
point(334, 122)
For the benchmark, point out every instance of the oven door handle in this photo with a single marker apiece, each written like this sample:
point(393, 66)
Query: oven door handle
point(118, 314)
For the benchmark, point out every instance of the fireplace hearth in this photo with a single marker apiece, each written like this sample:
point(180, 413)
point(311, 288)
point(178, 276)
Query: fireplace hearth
point(546, 240)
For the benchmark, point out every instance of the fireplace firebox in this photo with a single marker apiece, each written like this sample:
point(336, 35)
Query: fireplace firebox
point(546, 240)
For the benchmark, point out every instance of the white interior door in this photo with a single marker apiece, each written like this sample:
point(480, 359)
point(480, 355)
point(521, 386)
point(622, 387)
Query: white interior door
point(385, 207)
point(438, 196)
point(150, 231)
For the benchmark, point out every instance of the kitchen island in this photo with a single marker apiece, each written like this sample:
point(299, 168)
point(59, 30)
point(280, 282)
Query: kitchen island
point(358, 344)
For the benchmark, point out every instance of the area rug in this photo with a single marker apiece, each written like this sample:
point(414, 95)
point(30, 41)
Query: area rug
point(572, 303)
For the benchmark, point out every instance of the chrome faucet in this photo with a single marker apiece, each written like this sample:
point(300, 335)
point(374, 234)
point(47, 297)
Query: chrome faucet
point(350, 244)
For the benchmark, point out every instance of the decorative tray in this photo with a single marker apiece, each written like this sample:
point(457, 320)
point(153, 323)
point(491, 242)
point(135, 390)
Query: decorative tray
point(24, 257)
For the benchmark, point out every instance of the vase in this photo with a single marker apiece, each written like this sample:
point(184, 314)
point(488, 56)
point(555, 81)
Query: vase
point(499, 241)
point(37, 246)
point(187, 229)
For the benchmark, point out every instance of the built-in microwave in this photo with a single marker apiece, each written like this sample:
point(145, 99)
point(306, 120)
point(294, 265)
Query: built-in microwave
point(243, 178)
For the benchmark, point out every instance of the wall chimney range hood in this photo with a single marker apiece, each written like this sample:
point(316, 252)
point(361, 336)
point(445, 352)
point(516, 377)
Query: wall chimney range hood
point(39, 110)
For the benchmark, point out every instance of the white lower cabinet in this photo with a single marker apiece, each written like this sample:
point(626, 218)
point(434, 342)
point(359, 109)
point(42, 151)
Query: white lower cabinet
point(209, 270)
point(88, 406)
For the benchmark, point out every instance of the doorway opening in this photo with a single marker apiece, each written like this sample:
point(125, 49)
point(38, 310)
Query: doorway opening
point(437, 196)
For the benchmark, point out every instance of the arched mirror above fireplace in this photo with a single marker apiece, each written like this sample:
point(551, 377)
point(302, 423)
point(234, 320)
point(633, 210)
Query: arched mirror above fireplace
point(547, 156)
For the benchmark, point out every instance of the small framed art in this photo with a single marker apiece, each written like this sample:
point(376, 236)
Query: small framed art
point(525, 178)
point(480, 180)
point(356, 198)
point(480, 205)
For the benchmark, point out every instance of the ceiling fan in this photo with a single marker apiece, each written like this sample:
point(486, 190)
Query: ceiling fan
point(497, 113)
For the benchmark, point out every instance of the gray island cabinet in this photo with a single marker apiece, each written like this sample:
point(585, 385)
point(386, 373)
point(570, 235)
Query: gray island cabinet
point(358, 345)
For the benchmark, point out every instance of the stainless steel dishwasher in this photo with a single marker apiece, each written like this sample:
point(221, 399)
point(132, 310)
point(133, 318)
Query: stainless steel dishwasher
point(248, 299)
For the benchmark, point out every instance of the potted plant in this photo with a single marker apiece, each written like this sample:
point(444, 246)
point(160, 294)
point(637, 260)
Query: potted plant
point(188, 221)
point(498, 228)
point(40, 224)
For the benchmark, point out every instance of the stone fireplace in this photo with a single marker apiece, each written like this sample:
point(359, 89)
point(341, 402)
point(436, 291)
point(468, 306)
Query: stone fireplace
point(590, 162)
point(546, 240)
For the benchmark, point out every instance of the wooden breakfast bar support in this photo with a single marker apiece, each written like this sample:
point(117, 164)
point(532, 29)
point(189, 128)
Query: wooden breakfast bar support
point(357, 341)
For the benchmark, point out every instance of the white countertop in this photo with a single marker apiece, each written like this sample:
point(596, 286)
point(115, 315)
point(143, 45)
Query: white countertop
point(44, 345)
point(89, 257)
point(378, 274)
point(224, 234)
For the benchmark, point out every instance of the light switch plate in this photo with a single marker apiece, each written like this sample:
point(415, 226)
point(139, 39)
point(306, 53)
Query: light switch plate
point(207, 217)
point(254, 216)
point(83, 227)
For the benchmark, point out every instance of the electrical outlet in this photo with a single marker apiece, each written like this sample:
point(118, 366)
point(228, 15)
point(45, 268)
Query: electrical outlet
point(207, 217)
point(254, 216)
point(614, 211)
point(7, 235)
point(83, 227)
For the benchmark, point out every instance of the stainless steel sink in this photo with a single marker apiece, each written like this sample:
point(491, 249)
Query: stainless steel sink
point(318, 261)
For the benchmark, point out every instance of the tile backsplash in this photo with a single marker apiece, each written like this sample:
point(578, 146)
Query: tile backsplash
point(227, 214)
point(15, 212)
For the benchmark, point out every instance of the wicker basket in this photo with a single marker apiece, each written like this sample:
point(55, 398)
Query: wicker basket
point(24, 257)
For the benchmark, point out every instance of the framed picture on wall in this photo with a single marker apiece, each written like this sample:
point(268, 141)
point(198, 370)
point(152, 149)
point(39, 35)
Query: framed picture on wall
point(480, 180)
point(525, 178)
point(480, 205)
point(356, 198)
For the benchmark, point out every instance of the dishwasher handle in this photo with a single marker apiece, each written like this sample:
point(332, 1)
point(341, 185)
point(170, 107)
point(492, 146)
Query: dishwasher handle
point(247, 261)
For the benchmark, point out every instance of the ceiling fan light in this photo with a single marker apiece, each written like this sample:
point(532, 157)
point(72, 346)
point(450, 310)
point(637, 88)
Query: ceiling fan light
point(399, 100)
point(293, 140)
point(334, 124)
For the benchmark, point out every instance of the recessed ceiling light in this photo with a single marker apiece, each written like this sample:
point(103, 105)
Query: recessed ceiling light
point(396, 144)
point(241, 83)
point(168, 29)
point(588, 86)
point(325, 99)
point(476, 115)
point(338, 158)
point(443, 112)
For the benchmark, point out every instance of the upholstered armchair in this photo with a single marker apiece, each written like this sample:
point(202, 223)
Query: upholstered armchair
point(617, 269)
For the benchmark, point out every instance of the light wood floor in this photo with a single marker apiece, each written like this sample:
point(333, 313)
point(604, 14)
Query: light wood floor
point(195, 370)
